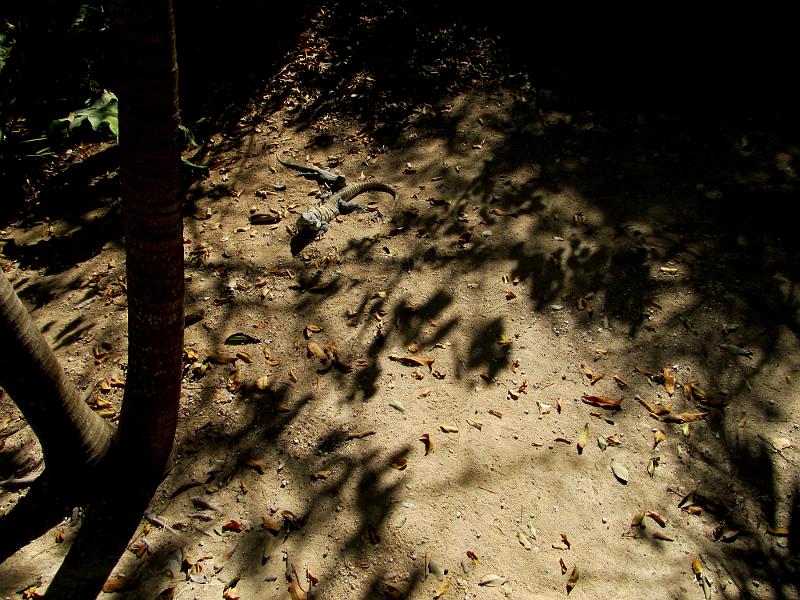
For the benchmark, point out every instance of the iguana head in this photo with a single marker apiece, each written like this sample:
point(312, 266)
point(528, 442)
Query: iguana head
point(310, 222)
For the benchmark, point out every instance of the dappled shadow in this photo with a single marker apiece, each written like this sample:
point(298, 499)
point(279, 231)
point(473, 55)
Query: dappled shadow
point(586, 198)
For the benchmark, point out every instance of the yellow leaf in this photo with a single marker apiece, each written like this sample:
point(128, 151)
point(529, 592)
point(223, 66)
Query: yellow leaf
point(442, 589)
point(658, 437)
point(320, 475)
point(583, 438)
point(669, 381)
point(400, 464)
point(315, 350)
point(258, 465)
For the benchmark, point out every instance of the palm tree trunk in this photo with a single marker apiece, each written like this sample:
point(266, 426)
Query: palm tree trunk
point(150, 169)
point(72, 436)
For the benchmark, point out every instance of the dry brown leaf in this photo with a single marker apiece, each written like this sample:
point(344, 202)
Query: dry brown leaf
point(658, 437)
point(573, 578)
point(293, 375)
point(449, 428)
point(233, 525)
point(295, 591)
point(660, 535)
point(413, 361)
point(400, 464)
point(272, 525)
point(603, 402)
point(621, 382)
point(684, 417)
point(669, 381)
point(657, 518)
point(586, 371)
point(258, 465)
point(476, 424)
point(316, 476)
point(118, 583)
point(495, 413)
point(221, 358)
point(563, 566)
point(426, 439)
point(566, 541)
point(510, 295)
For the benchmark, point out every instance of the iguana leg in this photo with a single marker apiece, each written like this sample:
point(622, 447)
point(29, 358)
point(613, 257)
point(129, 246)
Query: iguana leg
point(346, 207)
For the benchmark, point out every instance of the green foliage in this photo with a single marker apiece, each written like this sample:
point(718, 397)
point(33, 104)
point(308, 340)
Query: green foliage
point(103, 111)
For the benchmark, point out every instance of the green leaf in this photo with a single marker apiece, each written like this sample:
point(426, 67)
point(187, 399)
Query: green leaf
point(104, 111)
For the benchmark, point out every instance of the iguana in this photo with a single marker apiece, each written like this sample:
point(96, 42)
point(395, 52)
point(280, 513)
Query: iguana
point(322, 175)
point(317, 217)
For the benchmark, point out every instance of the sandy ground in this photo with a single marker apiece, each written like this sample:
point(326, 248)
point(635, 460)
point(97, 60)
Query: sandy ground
point(455, 447)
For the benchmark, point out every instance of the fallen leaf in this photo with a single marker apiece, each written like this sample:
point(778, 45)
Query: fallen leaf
point(583, 438)
point(637, 520)
point(603, 402)
point(426, 439)
point(778, 531)
point(436, 569)
point(657, 518)
point(495, 413)
point(697, 566)
point(293, 375)
point(492, 580)
point(295, 591)
point(315, 350)
point(563, 566)
point(669, 381)
point(510, 295)
point(221, 358)
point(230, 593)
point(476, 424)
point(524, 540)
point(684, 417)
point(449, 428)
point(473, 557)
point(586, 371)
point(400, 464)
point(310, 329)
point(318, 475)
point(619, 470)
point(652, 464)
point(442, 589)
point(658, 437)
point(397, 405)
point(438, 374)
point(596, 378)
point(118, 583)
point(660, 535)
point(621, 382)
point(573, 578)
point(272, 525)
point(258, 465)
point(566, 541)
point(360, 435)
point(245, 357)
point(413, 361)
point(233, 525)
point(736, 350)
point(240, 339)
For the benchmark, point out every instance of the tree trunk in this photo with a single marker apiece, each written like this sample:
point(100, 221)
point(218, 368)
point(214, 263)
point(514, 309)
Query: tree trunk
point(150, 169)
point(72, 436)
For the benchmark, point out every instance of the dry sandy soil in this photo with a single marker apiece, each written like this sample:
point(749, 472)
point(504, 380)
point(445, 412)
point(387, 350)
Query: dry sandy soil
point(533, 261)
